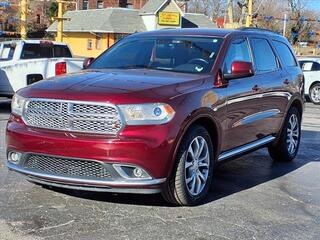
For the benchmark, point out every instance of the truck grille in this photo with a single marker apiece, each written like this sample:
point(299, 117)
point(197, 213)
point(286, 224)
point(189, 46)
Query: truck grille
point(73, 116)
point(66, 167)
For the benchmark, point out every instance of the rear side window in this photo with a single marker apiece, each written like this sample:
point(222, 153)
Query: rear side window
point(264, 58)
point(7, 51)
point(285, 54)
point(61, 51)
point(32, 51)
point(238, 51)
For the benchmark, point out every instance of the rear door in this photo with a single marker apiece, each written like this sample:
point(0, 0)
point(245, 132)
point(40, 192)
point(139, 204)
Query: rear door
point(272, 76)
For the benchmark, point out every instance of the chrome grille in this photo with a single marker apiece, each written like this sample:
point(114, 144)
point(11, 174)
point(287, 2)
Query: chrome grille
point(73, 116)
point(66, 167)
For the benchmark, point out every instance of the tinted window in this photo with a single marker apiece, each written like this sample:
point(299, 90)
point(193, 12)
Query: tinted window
point(7, 52)
point(238, 51)
point(309, 66)
point(315, 66)
point(32, 51)
point(179, 54)
point(61, 51)
point(264, 58)
point(285, 54)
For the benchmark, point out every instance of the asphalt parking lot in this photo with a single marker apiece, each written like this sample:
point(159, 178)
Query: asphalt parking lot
point(253, 198)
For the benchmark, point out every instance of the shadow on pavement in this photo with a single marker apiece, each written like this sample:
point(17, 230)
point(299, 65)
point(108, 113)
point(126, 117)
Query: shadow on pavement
point(231, 177)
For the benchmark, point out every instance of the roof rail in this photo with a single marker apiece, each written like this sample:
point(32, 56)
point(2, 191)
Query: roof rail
point(257, 29)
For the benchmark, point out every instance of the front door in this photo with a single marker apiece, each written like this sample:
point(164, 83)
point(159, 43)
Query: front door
point(243, 99)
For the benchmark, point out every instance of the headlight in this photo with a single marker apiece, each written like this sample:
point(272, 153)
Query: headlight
point(17, 104)
point(147, 114)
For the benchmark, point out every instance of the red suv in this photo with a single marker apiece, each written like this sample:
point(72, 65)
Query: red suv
point(158, 111)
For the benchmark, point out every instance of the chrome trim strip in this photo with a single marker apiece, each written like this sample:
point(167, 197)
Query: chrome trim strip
point(86, 182)
point(245, 148)
point(256, 117)
point(251, 97)
point(260, 95)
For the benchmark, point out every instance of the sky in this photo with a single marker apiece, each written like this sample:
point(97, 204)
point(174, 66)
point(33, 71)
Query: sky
point(313, 4)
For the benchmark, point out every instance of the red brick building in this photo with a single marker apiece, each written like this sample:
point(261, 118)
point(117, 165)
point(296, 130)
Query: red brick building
point(94, 4)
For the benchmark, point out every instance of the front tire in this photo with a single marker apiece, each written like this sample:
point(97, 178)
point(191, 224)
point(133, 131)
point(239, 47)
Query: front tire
point(314, 94)
point(287, 147)
point(193, 170)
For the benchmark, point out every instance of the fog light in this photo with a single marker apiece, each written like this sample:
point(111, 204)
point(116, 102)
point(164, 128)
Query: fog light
point(137, 172)
point(14, 157)
point(131, 172)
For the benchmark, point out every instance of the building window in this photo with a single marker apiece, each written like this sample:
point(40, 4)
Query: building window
point(85, 4)
point(89, 44)
point(98, 42)
point(38, 19)
point(100, 4)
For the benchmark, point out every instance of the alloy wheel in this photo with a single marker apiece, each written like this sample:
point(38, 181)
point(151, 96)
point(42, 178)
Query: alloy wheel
point(293, 134)
point(315, 94)
point(197, 165)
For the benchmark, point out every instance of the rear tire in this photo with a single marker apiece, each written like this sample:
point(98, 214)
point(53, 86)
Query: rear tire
point(314, 94)
point(193, 170)
point(287, 147)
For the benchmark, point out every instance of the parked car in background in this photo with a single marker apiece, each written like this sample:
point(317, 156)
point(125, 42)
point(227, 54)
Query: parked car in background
point(311, 70)
point(158, 112)
point(25, 62)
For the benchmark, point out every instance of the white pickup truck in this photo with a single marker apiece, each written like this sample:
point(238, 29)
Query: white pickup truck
point(24, 62)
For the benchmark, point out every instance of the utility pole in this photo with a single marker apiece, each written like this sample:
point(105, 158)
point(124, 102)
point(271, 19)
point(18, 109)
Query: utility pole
point(230, 12)
point(250, 12)
point(60, 19)
point(284, 25)
point(23, 18)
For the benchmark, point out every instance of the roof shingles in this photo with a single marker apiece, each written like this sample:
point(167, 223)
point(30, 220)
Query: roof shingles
point(152, 6)
point(122, 20)
point(192, 20)
point(107, 20)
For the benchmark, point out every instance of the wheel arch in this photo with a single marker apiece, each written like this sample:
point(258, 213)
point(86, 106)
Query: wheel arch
point(205, 118)
point(314, 83)
point(311, 86)
point(297, 103)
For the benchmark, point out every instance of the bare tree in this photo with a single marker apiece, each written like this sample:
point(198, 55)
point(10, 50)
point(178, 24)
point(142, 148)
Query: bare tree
point(211, 8)
point(299, 25)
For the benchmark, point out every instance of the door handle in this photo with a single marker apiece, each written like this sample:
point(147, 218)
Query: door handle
point(286, 81)
point(256, 88)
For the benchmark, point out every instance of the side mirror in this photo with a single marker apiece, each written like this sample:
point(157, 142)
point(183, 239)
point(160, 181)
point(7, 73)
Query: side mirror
point(239, 70)
point(87, 62)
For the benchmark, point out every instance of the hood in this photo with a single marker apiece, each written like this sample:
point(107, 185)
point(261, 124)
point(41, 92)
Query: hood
point(133, 83)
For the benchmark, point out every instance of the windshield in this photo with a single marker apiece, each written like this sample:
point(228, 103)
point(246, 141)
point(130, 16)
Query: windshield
point(178, 54)
point(7, 51)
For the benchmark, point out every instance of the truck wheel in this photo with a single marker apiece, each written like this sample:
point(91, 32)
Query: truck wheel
point(192, 173)
point(314, 93)
point(288, 145)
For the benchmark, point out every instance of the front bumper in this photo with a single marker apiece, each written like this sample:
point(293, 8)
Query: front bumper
point(147, 147)
point(115, 183)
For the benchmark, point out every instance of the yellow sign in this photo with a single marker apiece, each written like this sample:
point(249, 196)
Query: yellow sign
point(169, 18)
